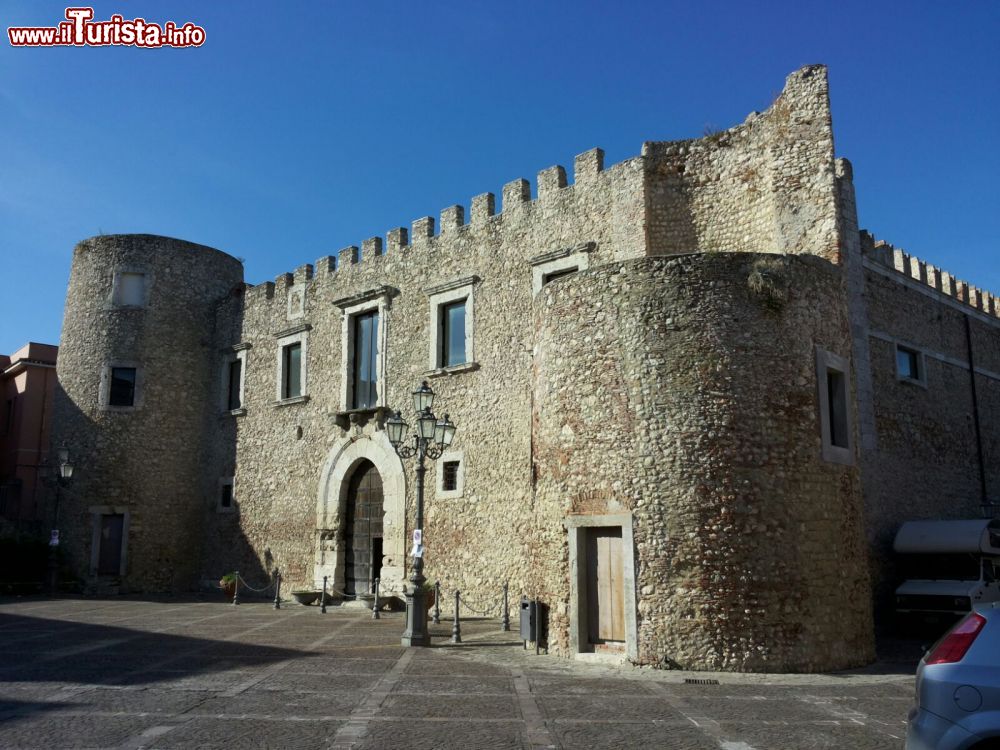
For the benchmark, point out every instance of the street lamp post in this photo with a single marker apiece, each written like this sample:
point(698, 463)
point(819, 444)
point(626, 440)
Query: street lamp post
point(62, 475)
point(430, 438)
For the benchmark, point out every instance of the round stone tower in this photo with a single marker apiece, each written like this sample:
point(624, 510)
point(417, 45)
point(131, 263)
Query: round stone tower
point(139, 382)
point(681, 424)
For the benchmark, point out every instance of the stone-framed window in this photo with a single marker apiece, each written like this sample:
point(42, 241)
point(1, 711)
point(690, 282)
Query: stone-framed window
point(363, 341)
point(226, 496)
point(292, 357)
point(833, 378)
point(450, 482)
point(910, 365)
point(130, 288)
point(452, 325)
point(548, 267)
point(121, 386)
point(234, 367)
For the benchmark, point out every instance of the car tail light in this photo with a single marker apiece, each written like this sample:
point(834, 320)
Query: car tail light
point(953, 646)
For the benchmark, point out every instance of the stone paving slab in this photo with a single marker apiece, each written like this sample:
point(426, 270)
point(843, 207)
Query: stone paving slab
point(126, 674)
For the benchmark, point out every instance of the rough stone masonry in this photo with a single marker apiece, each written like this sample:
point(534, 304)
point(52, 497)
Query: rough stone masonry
point(682, 420)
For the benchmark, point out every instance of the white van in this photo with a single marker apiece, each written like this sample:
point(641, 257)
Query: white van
point(948, 567)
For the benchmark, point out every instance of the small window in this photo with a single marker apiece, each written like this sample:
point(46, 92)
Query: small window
point(130, 289)
point(226, 502)
point(291, 371)
point(452, 337)
point(364, 378)
point(550, 277)
point(122, 391)
point(835, 405)
point(836, 386)
point(234, 399)
point(910, 365)
point(449, 476)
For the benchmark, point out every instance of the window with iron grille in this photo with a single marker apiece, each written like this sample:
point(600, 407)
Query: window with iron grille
point(449, 476)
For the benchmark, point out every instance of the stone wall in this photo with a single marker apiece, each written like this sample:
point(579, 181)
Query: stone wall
point(684, 391)
point(146, 462)
point(765, 186)
point(923, 460)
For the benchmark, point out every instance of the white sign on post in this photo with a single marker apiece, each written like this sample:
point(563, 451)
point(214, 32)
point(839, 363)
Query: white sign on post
point(418, 536)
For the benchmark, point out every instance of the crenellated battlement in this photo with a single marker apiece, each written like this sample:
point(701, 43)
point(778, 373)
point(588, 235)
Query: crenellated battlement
point(897, 259)
point(424, 232)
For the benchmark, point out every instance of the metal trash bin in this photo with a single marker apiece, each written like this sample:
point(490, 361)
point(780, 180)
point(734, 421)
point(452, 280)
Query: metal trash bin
point(528, 609)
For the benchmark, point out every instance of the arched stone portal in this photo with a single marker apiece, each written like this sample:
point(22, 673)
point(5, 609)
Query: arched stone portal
point(340, 467)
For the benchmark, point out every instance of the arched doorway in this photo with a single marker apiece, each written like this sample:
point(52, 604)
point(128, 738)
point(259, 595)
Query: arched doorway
point(363, 514)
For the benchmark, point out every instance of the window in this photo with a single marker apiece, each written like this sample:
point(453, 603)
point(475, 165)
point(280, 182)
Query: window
point(292, 382)
point(364, 376)
point(226, 500)
point(833, 377)
point(234, 365)
point(234, 395)
point(449, 478)
point(121, 386)
point(129, 289)
point(836, 388)
point(557, 264)
point(451, 475)
point(452, 334)
point(122, 391)
point(291, 370)
point(910, 365)
point(550, 277)
point(451, 325)
point(363, 352)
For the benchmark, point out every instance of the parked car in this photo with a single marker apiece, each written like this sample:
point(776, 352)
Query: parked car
point(958, 687)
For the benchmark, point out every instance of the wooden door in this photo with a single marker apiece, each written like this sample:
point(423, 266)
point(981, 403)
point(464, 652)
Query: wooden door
point(363, 530)
point(605, 586)
point(109, 555)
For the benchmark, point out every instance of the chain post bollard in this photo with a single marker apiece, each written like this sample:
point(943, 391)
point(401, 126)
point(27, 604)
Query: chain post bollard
point(322, 602)
point(456, 629)
point(505, 619)
point(375, 614)
point(436, 619)
point(277, 589)
point(236, 589)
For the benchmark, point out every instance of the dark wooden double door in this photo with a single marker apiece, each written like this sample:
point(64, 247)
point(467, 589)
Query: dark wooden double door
point(363, 530)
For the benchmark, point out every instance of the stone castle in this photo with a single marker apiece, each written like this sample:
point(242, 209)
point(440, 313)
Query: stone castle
point(694, 402)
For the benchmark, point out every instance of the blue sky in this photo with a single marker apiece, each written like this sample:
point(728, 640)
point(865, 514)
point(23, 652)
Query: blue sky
point(302, 127)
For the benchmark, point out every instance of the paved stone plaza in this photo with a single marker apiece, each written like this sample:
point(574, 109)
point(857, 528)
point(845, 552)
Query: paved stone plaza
point(171, 673)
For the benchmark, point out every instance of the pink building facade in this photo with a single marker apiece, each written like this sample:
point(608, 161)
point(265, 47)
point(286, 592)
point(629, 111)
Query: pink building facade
point(27, 385)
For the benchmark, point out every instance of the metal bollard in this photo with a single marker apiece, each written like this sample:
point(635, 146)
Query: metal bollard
point(505, 619)
point(436, 619)
point(456, 629)
point(322, 601)
point(277, 589)
point(236, 589)
point(375, 614)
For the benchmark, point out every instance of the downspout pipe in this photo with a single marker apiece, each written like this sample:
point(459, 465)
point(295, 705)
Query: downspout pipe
point(983, 498)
